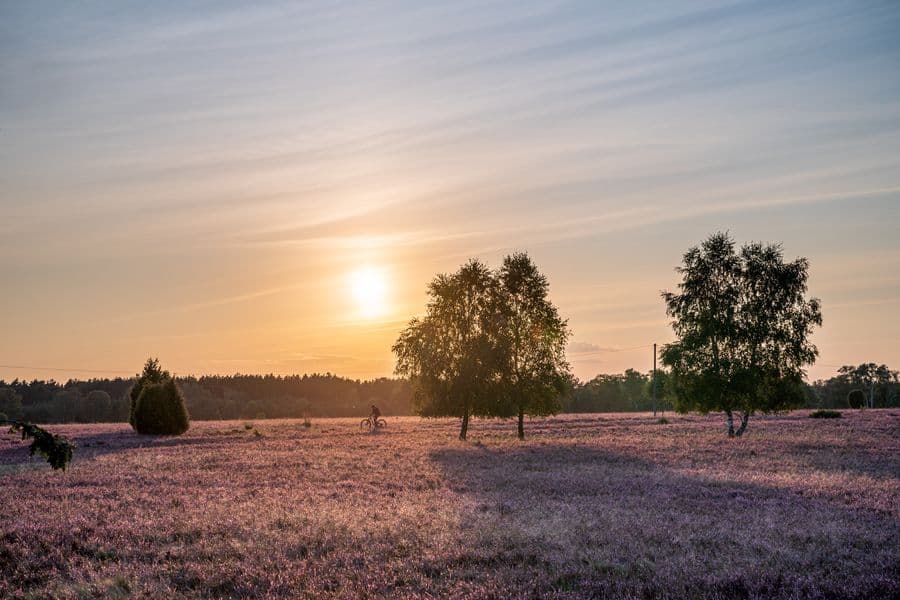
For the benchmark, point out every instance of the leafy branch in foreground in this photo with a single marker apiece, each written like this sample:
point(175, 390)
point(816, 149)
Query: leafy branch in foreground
point(56, 449)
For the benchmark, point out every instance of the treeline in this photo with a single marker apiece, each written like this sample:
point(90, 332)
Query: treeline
point(208, 398)
point(632, 391)
point(877, 384)
point(317, 395)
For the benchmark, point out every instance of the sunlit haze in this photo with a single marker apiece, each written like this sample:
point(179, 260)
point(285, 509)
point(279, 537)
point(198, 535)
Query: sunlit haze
point(269, 187)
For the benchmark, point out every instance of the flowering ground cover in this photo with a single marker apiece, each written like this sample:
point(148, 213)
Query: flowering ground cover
point(589, 505)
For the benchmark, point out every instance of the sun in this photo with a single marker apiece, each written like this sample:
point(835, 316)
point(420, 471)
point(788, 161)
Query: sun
point(368, 287)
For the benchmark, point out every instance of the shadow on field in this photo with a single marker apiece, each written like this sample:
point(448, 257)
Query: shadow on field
point(89, 445)
point(600, 523)
point(878, 463)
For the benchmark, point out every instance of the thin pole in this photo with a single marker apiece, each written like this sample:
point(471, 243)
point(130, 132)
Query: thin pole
point(654, 380)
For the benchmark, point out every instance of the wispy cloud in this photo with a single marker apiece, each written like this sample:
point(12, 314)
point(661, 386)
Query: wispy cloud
point(226, 161)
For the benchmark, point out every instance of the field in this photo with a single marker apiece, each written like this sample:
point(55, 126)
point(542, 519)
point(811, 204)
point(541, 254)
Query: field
point(603, 506)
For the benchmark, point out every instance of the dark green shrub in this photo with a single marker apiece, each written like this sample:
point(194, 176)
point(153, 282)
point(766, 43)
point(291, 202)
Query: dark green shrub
point(160, 410)
point(663, 421)
point(856, 399)
point(825, 414)
point(153, 373)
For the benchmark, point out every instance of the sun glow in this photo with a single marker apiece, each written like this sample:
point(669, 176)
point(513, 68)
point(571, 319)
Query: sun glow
point(368, 286)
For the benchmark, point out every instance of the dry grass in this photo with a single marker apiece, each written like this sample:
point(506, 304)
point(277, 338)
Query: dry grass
point(606, 506)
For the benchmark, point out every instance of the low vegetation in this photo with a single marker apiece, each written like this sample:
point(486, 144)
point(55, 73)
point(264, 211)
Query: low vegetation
point(587, 506)
point(825, 414)
point(157, 405)
point(160, 410)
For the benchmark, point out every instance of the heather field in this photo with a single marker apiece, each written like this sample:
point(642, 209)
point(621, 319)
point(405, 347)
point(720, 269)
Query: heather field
point(588, 506)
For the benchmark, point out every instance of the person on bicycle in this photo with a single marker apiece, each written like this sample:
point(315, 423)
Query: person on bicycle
point(375, 415)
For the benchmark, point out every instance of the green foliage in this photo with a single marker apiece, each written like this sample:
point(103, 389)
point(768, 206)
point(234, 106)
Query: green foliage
point(663, 421)
point(856, 399)
point(56, 449)
point(160, 410)
point(533, 338)
point(452, 355)
point(825, 414)
point(743, 325)
point(879, 380)
point(97, 402)
point(152, 374)
point(621, 392)
point(211, 397)
point(491, 344)
point(10, 403)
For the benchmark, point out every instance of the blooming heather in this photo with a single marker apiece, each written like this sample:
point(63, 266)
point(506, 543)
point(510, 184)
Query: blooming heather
point(608, 506)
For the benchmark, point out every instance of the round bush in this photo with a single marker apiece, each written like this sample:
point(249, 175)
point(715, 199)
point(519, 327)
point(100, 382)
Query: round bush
point(856, 399)
point(160, 410)
point(153, 373)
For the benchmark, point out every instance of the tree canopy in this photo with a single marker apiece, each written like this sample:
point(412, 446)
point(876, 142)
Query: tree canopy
point(534, 338)
point(490, 344)
point(152, 374)
point(743, 324)
point(453, 352)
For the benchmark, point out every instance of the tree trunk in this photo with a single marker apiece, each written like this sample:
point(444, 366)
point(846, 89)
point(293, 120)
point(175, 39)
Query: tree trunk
point(730, 420)
point(465, 425)
point(744, 418)
point(521, 423)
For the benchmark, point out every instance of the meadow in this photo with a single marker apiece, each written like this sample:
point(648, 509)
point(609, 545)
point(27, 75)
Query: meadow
point(614, 505)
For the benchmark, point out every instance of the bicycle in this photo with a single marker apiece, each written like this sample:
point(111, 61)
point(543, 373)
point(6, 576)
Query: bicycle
point(368, 424)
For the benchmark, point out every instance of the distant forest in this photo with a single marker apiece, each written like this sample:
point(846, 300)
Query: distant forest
point(326, 395)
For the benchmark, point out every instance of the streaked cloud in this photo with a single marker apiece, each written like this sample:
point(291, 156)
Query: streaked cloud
point(203, 177)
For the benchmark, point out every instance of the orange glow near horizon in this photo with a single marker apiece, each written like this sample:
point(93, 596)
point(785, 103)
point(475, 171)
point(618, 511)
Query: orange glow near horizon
point(203, 185)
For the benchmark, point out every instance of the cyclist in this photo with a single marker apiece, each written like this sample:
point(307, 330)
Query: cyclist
point(375, 415)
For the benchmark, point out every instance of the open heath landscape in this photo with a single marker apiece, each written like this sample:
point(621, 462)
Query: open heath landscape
point(589, 505)
point(426, 299)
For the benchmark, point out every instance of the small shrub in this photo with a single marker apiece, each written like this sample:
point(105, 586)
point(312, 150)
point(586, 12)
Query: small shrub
point(663, 421)
point(160, 410)
point(825, 414)
point(153, 373)
point(248, 426)
point(856, 399)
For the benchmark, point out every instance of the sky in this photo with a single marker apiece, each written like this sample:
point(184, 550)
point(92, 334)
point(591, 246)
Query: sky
point(269, 187)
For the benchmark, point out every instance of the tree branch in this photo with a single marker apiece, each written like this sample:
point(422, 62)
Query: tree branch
point(56, 449)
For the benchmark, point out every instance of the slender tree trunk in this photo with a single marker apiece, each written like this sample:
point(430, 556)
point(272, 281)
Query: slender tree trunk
point(521, 422)
point(730, 420)
point(744, 418)
point(465, 424)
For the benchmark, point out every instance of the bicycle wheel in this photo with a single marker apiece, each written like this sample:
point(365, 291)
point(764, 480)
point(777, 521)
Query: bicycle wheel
point(380, 423)
point(365, 425)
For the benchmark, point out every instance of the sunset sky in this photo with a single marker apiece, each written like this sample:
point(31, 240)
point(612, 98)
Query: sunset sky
point(264, 187)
